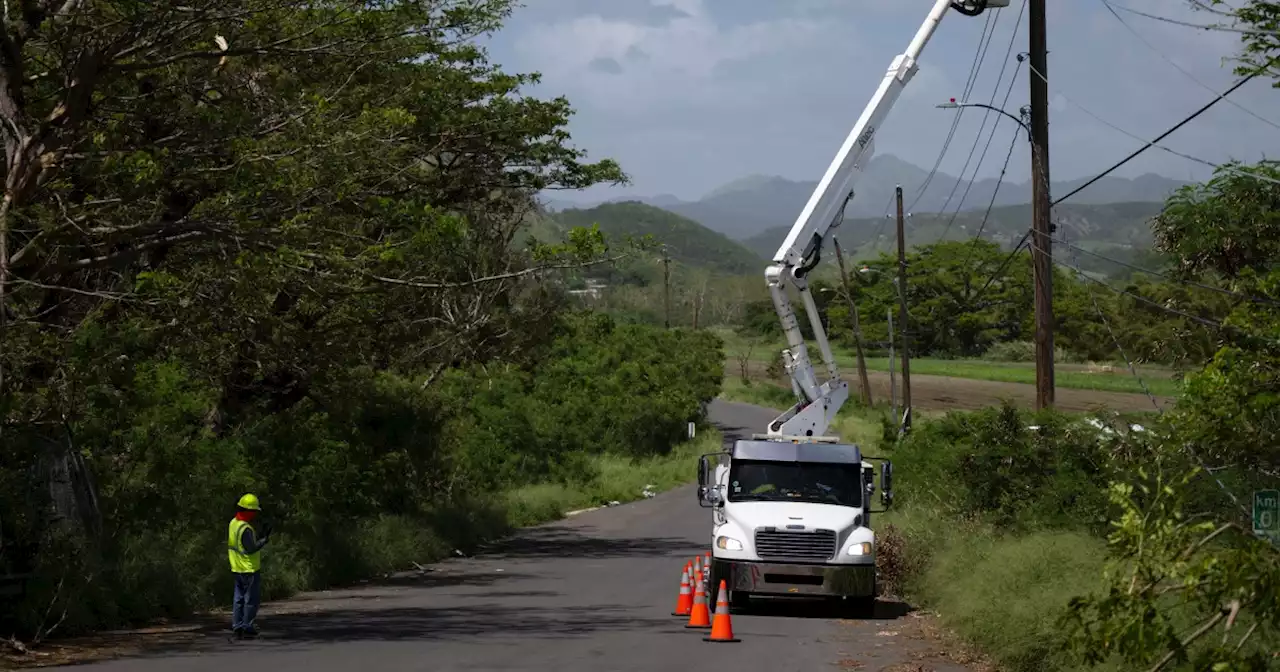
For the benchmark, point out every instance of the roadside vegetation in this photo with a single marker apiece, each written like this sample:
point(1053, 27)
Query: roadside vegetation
point(278, 247)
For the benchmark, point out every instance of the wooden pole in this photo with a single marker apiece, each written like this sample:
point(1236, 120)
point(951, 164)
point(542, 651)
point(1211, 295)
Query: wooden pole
point(893, 384)
point(666, 288)
point(1042, 252)
point(903, 323)
point(863, 380)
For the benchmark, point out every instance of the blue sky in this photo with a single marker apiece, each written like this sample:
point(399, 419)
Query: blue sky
point(690, 94)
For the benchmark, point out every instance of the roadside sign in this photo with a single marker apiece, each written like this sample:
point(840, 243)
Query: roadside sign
point(1266, 514)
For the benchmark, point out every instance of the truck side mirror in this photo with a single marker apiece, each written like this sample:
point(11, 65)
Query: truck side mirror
point(704, 493)
point(886, 483)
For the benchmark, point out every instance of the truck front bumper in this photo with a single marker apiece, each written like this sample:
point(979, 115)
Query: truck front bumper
point(766, 578)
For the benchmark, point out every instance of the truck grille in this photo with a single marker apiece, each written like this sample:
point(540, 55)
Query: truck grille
point(810, 545)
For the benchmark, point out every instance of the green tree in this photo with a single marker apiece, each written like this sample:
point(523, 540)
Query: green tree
point(954, 310)
point(1260, 39)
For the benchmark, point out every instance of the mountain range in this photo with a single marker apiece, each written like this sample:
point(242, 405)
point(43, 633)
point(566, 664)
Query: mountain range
point(761, 205)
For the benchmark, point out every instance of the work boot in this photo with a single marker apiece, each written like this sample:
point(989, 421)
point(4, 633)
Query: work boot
point(250, 633)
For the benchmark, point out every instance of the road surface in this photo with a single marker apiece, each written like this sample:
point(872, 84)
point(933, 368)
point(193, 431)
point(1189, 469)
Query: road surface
point(592, 593)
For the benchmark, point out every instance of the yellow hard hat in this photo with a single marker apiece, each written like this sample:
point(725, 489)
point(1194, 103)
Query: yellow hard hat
point(249, 501)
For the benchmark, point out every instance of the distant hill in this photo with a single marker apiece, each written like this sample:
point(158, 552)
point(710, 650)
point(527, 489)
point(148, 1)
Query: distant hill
point(747, 207)
point(1095, 227)
point(690, 242)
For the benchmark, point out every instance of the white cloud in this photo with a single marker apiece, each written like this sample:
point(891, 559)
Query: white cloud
point(689, 94)
point(679, 59)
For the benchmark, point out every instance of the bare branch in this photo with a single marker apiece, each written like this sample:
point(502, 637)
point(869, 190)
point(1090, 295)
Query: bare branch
point(495, 278)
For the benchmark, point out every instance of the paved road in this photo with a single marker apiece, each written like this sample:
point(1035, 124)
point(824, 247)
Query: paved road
point(590, 593)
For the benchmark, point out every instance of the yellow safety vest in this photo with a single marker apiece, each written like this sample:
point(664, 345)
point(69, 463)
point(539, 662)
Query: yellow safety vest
point(241, 562)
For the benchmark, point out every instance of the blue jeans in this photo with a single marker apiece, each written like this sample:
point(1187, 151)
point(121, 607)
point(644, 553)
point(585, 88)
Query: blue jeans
point(244, 606)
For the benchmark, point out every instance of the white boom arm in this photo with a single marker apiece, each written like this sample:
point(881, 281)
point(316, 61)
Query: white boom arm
point(818, 402)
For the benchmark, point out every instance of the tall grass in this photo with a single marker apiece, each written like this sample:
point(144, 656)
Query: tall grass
point(617, 478)
point(1002, 592)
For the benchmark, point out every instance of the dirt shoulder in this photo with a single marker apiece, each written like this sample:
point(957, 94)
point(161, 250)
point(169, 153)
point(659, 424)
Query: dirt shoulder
point(914, 642)
point(945, 393)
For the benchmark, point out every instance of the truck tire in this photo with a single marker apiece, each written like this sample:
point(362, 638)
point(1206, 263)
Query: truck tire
point(738, 600)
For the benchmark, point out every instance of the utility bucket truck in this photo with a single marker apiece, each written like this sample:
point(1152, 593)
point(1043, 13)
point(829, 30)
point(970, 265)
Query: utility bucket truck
point(791, 512)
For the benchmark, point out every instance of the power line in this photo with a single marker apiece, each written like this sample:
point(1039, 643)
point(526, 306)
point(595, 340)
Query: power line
point(1022, 242)
point(983, 157)
point(978, 57)
point(1192, 283)
point(1160, 137)
point(1133, 370)
point(990, 204)
point(1152, 143)
point(985, 116)
point(1204, 321)
point(1201, 26)
point(884, 221)
point(1170, 61)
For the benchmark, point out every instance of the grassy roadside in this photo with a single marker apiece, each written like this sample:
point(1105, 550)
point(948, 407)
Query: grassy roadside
point(393, 543)
point(1003, 593)
point(618, 479)
point(1159, 380)
point(389, 544)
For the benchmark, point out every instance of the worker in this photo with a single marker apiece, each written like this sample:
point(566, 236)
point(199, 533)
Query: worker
point(244, 548)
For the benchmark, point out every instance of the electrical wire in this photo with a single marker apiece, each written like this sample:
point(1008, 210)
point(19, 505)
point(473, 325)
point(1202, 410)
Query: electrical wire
point(983, 158)
point(1204, 321)
point(990, 204)
point(1160, 137)
point(1149, 143)
point(1201, 26)
point(1133, 370)
point(884, 221)
point(1022, 242)
point(1110, 8)
point(978, 57)
point(995, 90)
point(1190, 283)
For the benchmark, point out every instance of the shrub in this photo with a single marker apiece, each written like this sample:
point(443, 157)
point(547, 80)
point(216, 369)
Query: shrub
point(993, 464)
point(1022, 351)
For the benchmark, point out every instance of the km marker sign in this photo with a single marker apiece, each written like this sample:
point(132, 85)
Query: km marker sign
point(1266, 514)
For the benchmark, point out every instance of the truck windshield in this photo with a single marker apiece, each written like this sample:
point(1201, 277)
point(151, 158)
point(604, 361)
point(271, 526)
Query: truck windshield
point(756, 481)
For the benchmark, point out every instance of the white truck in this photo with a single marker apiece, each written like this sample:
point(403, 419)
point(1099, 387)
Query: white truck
point(791, 508)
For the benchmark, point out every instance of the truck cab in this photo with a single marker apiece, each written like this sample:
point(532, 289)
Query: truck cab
point(792, 518)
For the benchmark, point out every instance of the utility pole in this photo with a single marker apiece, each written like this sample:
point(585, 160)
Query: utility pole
point(893, 385)
point(902, 315)
point(666, 288)
point(1042, 252)
point(857, 329)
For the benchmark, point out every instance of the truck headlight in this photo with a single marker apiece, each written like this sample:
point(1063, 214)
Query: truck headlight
point(860, 549)
point(728, 544)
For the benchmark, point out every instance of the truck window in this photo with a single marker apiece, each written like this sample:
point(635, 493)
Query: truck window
point(758, 481)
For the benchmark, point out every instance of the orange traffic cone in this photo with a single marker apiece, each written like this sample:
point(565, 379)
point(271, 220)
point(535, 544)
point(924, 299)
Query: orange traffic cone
point(684, 603)
point(699, 616)
point(697, 566)
point(722, 626)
